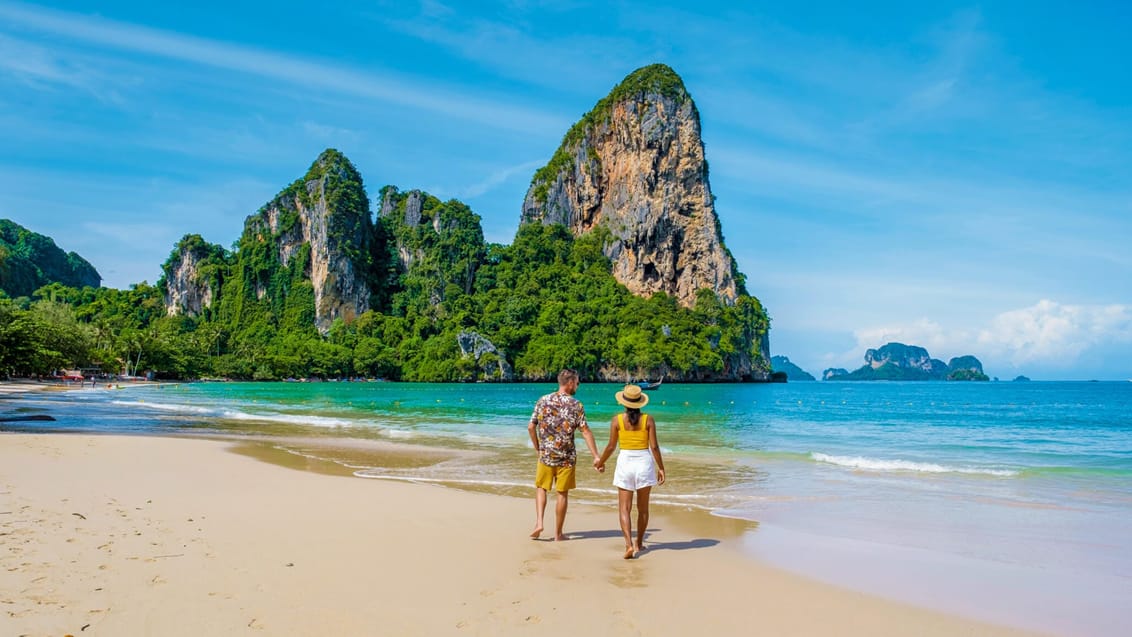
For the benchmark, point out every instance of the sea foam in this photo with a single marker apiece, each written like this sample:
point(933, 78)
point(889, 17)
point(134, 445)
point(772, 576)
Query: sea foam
point(876, 464)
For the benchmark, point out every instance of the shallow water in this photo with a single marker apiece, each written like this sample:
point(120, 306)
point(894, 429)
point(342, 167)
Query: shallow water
point(1009, 501)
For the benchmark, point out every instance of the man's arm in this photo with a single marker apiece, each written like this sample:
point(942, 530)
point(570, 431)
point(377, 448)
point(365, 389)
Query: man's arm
point(589, 438)
point(531, 428)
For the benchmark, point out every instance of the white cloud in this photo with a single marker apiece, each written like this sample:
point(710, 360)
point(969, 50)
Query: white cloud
point(1047, 334)
point(1055, 334)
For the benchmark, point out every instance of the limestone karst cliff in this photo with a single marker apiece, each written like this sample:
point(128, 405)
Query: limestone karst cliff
point(417, 293)
point(321, 228)
point(635, 166)
point(191, 277)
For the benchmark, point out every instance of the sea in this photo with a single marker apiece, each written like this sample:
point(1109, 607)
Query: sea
point(1009, 502)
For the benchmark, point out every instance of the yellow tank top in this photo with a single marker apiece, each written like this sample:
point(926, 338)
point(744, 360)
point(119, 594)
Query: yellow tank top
point(632, 438)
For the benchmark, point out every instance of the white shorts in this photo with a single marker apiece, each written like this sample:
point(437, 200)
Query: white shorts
point(636, 469)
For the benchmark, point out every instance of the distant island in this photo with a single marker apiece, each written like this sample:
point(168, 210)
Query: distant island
point(792, 371)
point(897, 361)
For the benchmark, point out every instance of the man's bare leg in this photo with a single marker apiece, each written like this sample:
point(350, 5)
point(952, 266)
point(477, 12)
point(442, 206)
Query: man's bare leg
point(560, 514)
point(642, 516)
point(540, 510)
point(625, 513)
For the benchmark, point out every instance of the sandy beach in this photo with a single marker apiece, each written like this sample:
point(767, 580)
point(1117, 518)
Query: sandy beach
point(117, 535)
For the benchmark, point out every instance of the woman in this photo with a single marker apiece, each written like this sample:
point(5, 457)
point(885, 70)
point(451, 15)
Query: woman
point(639, 465)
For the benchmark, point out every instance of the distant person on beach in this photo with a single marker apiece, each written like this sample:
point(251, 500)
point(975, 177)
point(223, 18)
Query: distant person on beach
point(555, 419)
point(639, 465)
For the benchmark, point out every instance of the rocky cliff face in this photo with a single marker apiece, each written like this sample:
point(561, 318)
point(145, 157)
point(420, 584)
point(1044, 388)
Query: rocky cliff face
point(323, 217)
point(436, 244)
point(191, 276)
point(633, 169)
point(635, 166)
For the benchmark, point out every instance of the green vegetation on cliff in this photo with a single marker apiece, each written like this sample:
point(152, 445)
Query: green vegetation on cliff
point(29, 261)
point(546, 301)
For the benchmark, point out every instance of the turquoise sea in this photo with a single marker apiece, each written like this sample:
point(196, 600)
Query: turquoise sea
point(1010, 502)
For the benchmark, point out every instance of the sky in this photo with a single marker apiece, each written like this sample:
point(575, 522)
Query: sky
point(954, 176)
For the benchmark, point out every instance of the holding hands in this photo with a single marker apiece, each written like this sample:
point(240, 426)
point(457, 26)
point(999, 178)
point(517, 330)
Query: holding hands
point(599, 464)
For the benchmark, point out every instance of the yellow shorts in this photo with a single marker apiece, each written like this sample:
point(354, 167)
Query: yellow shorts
point(560, 477)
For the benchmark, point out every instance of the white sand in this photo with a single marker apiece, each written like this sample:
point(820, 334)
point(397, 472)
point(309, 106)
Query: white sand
point(181, 537)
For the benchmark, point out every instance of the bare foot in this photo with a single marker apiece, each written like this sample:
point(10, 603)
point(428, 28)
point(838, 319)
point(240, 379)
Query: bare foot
point(630, 553)
point(637, 550)
point(560, 538)
point(537, 532)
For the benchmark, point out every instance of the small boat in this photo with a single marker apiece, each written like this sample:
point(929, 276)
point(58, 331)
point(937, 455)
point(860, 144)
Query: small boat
point(647, 386)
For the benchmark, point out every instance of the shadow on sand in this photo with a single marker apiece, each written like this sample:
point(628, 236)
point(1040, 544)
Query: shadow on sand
point(698, 543)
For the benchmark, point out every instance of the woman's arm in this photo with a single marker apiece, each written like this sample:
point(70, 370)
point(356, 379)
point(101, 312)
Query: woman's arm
point(613, 437)
point(654, 446)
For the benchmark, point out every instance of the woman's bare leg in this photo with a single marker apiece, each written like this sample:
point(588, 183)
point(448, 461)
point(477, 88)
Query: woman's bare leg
point(642, 516)
point(625, 509)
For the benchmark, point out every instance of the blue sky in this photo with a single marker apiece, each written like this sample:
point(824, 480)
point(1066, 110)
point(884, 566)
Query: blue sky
point(957, 176)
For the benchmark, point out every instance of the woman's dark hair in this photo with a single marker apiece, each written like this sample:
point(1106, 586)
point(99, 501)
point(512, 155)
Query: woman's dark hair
point(634, 414)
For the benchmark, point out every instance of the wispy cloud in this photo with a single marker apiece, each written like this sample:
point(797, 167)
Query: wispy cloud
point(498, 177)
point(382, 86)
point(39, 68)
point(561, 61)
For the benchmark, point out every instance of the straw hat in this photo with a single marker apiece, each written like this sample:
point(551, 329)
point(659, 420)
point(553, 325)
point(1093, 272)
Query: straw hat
point(632, 397)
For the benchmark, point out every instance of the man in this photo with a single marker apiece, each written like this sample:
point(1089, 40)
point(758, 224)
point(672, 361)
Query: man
point(555, 419)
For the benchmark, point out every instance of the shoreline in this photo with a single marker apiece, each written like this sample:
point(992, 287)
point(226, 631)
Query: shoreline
point(127, 534)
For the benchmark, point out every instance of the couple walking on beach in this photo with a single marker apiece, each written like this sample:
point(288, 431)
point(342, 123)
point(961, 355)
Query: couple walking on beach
point(640, 466)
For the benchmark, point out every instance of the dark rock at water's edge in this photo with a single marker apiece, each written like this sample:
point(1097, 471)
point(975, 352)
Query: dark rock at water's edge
point(1021, 379)
point(27, 417)
point(792, 371)
point(897, 361)
point(29, 261)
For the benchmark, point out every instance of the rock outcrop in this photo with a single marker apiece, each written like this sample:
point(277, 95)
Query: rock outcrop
point(792, 371)
point(634, 165)
point(908, 357)
point(324, 221)
point(487, 357)
point(834, 373)
point(191, 277)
